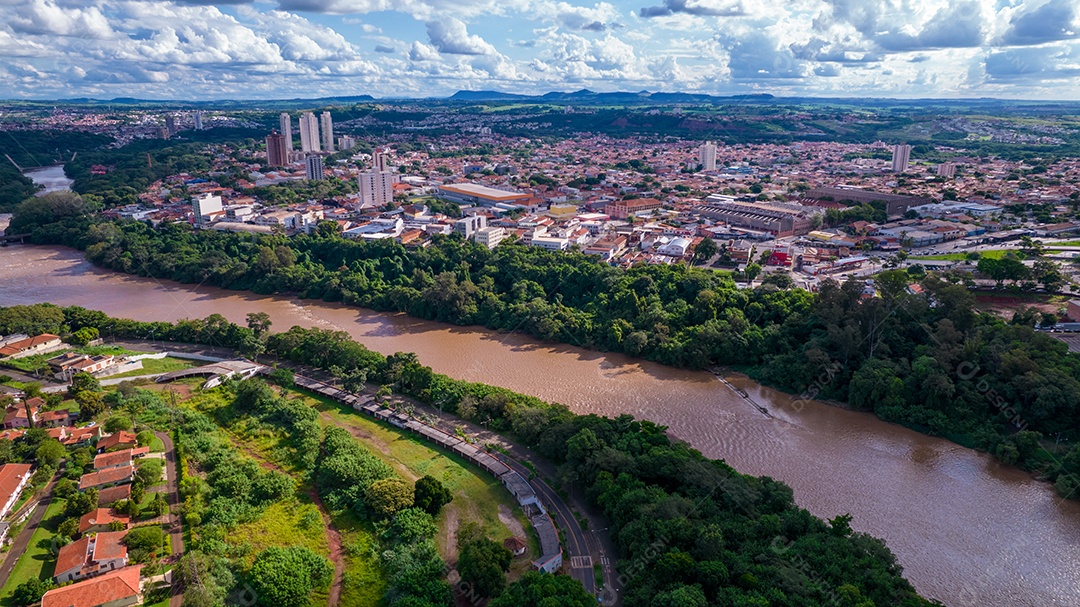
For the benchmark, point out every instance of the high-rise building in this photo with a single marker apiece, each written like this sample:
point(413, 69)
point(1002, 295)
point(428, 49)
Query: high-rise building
point(346, 143)
point(946, 169)
point(380, 161)
point(198, 121)
point(327, 132)
point(277, 153)
point(309, 132)
point(203, 206)
point(707, 156)
point(376, 188)
point(314, 167)
point(286, 130)
point(901, 154)
point(170, 124)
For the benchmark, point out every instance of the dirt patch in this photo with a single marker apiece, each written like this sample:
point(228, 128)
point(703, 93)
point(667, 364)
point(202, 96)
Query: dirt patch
point(337, 555)
point(507, 518)
point(448, 535)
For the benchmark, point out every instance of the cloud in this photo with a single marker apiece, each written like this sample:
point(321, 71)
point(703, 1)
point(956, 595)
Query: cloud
point(700, 8)
point(423, 52)
point(382, 48)
point(451, 37)
point(1033, 63)
point(1054, 20)
point(44, 17)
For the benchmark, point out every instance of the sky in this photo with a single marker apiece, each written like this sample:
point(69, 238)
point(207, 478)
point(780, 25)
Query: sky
point(265, 49)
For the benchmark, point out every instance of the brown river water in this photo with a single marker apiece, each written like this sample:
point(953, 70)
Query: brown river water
point(968, 531)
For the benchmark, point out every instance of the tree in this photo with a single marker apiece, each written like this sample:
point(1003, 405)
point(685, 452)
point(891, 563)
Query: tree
point(149, 472)
point(536, 589)
point(412, 524)
point(259, 322)
point(84, 336)
point(69, 528)
point(705, 250)
point(50, 452)
point(283, 377)
point(285, 577)
point(752, 271)
point(144, 542)
point(91, 404)
point(389, 495)
point(83, 382)
point(431, 495)
point(117, 423)
point(43, 210)
point(145, 438)
point(483, 564)
point(30, 592)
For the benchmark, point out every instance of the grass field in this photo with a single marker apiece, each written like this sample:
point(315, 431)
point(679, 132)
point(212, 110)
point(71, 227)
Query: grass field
point(995, 254)
point(295, 522)
point(154, 365)
point(38, 560)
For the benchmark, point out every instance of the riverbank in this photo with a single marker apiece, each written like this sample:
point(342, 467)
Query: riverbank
point(948, 513)
point(49, 178)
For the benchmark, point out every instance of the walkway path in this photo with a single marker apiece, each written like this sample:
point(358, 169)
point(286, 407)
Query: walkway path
point(174, 527)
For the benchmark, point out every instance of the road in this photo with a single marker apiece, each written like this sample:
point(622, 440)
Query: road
point(18, 548)
point(174, 527)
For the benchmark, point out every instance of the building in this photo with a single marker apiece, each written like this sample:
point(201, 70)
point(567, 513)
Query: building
point(313, 168)
point(38, 344)
point(707, 156)
point(99, 520)
point(1072, 312)
point(471, 193)
point(777, 220)
point(286, 131)
point(346, 143)
point(65, 366)
point(118, 588)
point(467, 226)
point(901, 154)
point(622, 209)
point(15, 416)
point(309, 133)
point(895, 204)
point(91, 556)
point(204, 206)
point(380, 160)
point(106, 478)
point(550, 243)
point(123, 438)
point(110, 495)
point(515, 545)
point(490, 236)
point(376, 188)
point(13, 478)
point(198, 121)
point(277, 150)
point(946, 169)
point(119, 459)
point(327, 132)
point(170, 125)
point(676, 248)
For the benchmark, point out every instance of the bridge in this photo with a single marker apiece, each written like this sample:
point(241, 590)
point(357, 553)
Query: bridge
point(19, 238)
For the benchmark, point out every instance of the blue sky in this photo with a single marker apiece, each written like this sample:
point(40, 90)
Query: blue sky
point(197, 49)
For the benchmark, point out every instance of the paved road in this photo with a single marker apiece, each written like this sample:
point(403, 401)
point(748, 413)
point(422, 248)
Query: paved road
point(23, 541)
point(174, 528)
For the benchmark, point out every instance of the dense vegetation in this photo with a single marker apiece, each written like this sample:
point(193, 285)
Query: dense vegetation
point(690, 530)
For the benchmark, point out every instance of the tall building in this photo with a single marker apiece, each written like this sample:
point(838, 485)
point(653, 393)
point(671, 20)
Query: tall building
point(901, 154)
point(314, 167)
point(707, 156)
point(376, 188)
point(946, 169)
point(203, 206)
point(170, 124)
point(286, 130)
point(346, 143)
point(277, 153)
point(309, 132)
point(380, 161)
point(198, 121)
point(327, 132)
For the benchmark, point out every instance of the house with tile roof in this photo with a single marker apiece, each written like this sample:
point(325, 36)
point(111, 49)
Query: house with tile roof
point(118, 588)
point(91, 556)
point(110, 495)
point(117, 439)
point(99, 519)
point(13, 478)
point(107, 478)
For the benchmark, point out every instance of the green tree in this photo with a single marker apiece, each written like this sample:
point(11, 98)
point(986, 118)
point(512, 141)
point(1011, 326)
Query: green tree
point(285, 577)
point(536, 589)
point(149, 472)
point(50, 452)
point(83, 336)
point(69, 528)
point(83, 382)
point(91, 404)
point(389, 495)
point(30, 592)
point(42, 210)
point(259, 323)
point(431, 495)
point(705, 250)
point(483, 564)
point(117, 423)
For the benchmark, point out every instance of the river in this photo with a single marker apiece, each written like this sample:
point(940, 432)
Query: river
point(52, 177)
point(968, 531)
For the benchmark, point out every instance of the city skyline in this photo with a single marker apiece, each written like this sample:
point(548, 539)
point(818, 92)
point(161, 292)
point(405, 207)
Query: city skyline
point(428, 48)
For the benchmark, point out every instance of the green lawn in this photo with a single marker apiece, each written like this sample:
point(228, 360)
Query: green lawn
point(154, 365)
point(363, 583)
point(995, 254)
point(38, 560)
point(157, 445)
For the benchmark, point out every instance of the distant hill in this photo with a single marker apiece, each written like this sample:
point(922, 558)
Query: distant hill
point(587, 97)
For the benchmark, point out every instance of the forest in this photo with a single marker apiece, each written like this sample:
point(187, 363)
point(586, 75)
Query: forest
point(691, 531)
point(900, 355)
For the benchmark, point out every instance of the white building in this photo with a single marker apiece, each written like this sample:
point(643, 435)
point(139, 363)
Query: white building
point(346, 143)
point(204, 205)
point(467, 226)
point(550, 243)
point(946, 169)
point(309, 132)
point(707, 156)
point(676, 248)
point(314, 168)
point(13, 478)
point(901, 154)
point(490, 236)
point(327, 132)
point(376, 188)
point(286, 131)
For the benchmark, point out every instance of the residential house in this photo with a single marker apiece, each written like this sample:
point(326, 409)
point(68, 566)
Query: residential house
point(110, 495)
point(119, 459)
point(66, 365)
point(20, 415)
point(107, 478)
point(122, 439)
point(99, 519)
point(91, 556)
point(56, 419)
point(118, 588)
point(13, 477)
point(39, 344)
point(515, 545)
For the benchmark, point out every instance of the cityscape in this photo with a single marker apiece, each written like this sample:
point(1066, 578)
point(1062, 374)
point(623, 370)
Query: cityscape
point(457, 304)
